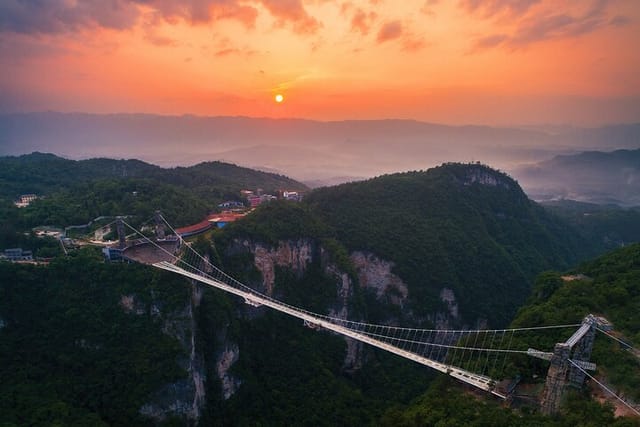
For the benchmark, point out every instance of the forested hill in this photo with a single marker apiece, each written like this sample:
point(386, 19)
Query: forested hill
point(608, 286)
point(84, 342)
point(77, 191)
point(42, 173)
point(463, 227)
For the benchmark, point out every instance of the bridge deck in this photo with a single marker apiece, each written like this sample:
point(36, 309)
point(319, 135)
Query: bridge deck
point(479, 381)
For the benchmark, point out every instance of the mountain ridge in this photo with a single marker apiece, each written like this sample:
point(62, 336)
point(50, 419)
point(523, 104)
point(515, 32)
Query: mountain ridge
point(589, 176)
point(447, 227)
point(459, 243)
point(386, 145)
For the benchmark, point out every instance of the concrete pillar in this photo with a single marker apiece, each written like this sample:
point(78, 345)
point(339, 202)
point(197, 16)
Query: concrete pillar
point(581, 352)
point(122, 237)
point(556, 379)
point(160, 230)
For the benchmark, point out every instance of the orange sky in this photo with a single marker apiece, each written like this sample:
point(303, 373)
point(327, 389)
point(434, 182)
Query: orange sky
point(496, 62)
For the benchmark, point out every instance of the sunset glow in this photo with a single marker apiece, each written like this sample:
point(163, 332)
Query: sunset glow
point(491, 62)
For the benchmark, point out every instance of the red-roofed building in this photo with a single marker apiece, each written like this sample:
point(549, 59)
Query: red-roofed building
point(222, 219)
point(191, 230)
point(214, 220)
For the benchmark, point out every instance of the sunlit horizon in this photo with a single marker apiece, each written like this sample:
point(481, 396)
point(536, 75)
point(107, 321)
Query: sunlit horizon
point(495, 63)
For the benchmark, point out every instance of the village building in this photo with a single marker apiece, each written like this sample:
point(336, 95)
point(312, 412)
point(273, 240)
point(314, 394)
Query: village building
point(24, 200)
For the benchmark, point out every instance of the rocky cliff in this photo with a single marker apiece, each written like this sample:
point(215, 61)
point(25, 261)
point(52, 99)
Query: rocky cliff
point(186, 397)
point(373, 276)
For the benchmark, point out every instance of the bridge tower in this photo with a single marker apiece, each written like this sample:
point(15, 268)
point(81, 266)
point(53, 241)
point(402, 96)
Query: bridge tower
point(563, 371)
point(122, 237)
point(556, 379)
point(582, 354)
point(160, 226)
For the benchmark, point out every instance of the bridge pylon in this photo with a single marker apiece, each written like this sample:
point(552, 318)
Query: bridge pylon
point(565, 359)
point(122, 236)
point(556, 379)
point(581, 356)
point(160, 226)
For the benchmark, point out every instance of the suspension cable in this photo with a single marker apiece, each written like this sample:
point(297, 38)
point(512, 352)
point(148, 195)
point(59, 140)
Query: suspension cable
point(627, 345)
point(605, 387)
point(354, 325)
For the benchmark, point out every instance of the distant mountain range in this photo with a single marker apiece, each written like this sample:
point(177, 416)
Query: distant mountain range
point(311, 151)
point(592, 176)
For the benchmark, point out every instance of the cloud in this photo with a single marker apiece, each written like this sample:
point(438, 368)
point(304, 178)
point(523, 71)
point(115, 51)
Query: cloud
point(413, 44)
point(389, 31)
point(65, 16)
point(234, 51)
point(56, 16)
point(227, 51)
point(428, 7)
point(362, 21)
point(619, 21)
point(161, 40)
point(345, 7)
point(544, 24)
point(397, 31)
point(227, 47)
point(200, 11)
point(292, 12)
point(246, 15)
point(491, 8)
point(23, 47)
point(490, 41)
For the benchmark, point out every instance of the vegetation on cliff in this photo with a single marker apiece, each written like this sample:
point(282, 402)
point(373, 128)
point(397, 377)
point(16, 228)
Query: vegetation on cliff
point(465, 227)
point(608, 286)
point(72, 354)
point(606, 226)
point(75, 192)
point(445, 404)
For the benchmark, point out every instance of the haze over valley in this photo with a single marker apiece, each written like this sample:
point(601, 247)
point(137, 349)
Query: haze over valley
point(327, 153)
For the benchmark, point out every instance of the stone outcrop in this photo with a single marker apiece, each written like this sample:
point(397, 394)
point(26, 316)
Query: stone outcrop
point(485, 176)
point(353, 359)
point(131, 305)
point(184, 398)
point(447, 319)
point(375, 274)
point(344, 293)
point(372, 273)
point(226, 359)
point(293, 254)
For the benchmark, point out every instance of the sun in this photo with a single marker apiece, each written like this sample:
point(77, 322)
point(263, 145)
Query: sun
point(279, 98)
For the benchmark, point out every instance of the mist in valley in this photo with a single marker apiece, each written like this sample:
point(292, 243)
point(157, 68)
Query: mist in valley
point(328, 153)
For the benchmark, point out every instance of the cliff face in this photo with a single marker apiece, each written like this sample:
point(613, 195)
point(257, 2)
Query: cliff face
point(373, 275)
point(484, 176)
point(184, 398)
point(295, 255)
point(228, 356)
